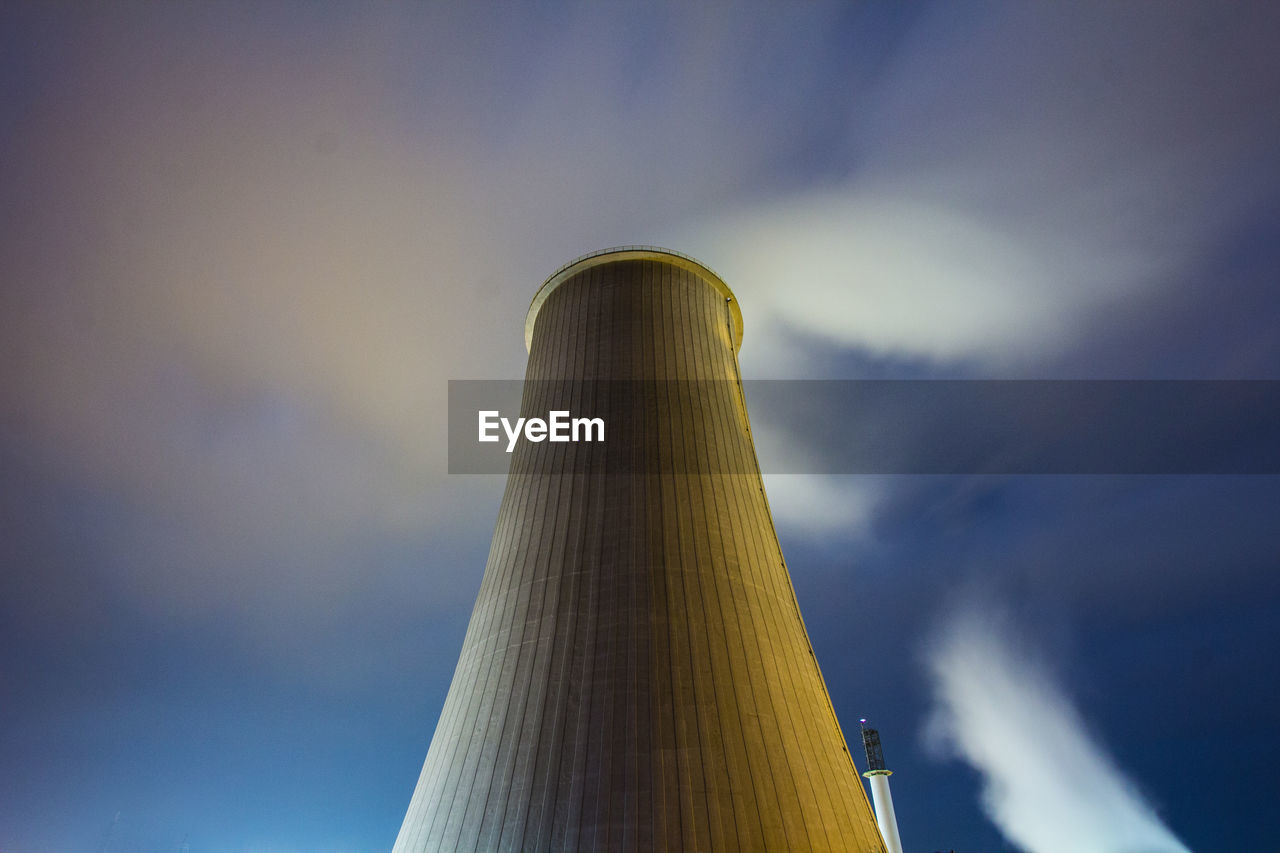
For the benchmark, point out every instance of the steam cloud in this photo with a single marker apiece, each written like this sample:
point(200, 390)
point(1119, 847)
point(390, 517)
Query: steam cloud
point(1046, 783)
point(991, 216)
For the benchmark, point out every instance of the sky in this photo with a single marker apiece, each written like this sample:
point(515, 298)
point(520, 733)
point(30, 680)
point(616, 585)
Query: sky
point(244, 247)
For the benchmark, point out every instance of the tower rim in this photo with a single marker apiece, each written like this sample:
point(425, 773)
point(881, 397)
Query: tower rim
point(614, 254)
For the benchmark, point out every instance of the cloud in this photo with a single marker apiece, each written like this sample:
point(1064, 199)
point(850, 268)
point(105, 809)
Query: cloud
point(241, 258)
point(1019, 171)
point(820, 504)
point(245, 251)
point(1046, 782)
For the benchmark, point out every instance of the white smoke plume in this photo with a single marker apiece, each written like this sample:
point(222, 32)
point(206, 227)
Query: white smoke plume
point(1047, 784)
point(1004, 195)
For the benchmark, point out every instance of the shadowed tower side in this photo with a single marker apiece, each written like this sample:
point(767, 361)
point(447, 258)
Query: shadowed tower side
point(636, 674)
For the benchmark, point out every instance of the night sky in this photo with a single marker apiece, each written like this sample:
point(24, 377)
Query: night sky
point(244, 247)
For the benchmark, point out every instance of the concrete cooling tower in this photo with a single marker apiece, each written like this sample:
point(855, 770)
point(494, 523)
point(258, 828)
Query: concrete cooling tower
point(636, 675)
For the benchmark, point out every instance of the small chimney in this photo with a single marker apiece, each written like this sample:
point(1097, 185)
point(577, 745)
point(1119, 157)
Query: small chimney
point(879, 775)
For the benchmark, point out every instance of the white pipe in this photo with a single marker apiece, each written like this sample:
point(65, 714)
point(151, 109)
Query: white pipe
point(885, 817)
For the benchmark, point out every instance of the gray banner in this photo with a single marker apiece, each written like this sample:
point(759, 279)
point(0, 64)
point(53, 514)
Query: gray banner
point(885, 426)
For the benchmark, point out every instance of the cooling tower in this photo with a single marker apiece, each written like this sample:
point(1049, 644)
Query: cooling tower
point(636, 675)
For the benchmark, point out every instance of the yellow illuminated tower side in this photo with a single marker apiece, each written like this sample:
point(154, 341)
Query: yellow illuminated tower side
point(636, 674)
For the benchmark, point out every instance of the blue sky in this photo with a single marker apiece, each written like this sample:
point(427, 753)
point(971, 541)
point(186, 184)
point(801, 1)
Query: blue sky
point(243, 250)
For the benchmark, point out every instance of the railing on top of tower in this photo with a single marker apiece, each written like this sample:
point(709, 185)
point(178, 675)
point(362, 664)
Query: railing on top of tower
point(638, 248)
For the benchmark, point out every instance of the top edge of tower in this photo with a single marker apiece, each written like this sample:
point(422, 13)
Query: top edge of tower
point(631, 253)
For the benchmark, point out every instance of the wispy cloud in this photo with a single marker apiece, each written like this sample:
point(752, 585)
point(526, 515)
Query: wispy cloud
point(242, 257)
point(1047, 783)
point(244, 252)
point(1007, 189)
point(820, 504)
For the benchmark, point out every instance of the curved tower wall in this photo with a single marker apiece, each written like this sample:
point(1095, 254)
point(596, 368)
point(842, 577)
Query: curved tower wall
point(636, 674)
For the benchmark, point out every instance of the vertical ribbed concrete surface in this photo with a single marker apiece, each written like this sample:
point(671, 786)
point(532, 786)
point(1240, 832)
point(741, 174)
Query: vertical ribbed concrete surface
point(636, 674)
